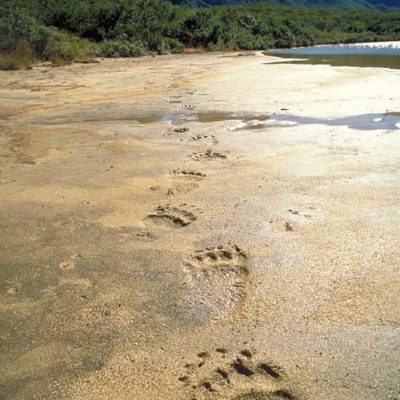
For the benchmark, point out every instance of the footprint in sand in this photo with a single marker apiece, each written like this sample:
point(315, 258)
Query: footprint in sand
point(208, 155)
point(188, 173)
point(177, 217)
point(180, 130)
point(217, 277)
point(183, 187)
point(217, 375)
point(145, 236)
point(69, 264)
point(203, 137)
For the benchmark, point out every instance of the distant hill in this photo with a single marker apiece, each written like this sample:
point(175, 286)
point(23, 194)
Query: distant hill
point(382, 5)
point(385, 5)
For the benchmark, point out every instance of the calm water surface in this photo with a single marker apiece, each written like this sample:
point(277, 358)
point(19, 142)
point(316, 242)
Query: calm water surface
point(382, 56)
point(251, 121)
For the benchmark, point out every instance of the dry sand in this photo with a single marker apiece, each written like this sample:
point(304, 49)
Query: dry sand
point(144, 260)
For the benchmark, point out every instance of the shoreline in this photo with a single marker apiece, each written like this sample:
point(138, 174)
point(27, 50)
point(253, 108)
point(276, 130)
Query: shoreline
point(378, 44)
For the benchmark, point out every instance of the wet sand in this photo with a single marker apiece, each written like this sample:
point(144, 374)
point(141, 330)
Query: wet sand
point(142, 259)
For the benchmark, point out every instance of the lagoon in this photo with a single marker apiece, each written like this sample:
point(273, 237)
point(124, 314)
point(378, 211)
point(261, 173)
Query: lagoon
point(380, 54)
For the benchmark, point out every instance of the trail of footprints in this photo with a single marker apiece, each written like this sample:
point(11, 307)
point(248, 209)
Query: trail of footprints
point(217, 375)
point(217, 278)
point(182, 216)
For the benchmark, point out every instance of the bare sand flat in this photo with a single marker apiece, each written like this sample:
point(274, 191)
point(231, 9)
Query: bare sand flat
point(199, 227)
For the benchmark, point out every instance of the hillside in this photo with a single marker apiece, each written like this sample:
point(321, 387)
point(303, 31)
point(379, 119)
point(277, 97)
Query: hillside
point(382, 5)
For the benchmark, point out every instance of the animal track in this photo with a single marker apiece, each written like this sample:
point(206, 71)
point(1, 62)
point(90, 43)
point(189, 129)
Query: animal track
point(220, 256)
point(180, 130)
point(182, 188)
point(187, 173)
point(176, 216)
point(217, 278)
point(200, 137)
point(145, 236)
point(207, 155)
point(260, 395)
point(215, 375)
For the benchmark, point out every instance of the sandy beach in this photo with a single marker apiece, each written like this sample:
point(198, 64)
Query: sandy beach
point(199, 226)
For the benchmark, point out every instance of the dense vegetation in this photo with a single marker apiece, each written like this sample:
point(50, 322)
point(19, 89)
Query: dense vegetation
point(381, 5)
point(67, 30)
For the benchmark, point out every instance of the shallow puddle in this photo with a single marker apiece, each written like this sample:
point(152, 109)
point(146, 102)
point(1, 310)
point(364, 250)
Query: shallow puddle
point(247, 120)
point(225, 116)
point(203, 117)
point(364, 122)
point(250, 121)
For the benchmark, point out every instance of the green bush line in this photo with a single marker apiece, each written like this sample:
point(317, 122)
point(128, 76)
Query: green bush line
point(74, 30)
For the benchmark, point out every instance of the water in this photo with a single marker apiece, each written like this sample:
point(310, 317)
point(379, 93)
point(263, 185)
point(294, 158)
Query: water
point(382, 55)
point(256, 121)
point(364, 122)
point(247, 120)
point(204, 117)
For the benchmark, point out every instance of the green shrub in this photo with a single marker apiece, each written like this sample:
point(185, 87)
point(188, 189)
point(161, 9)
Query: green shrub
point(17, 26)
point(175, 46)
point(59, 52)
point(119, 48)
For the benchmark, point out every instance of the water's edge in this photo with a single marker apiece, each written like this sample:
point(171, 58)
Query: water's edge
point(378, 55)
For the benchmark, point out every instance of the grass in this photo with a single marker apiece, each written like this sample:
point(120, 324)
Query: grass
point(21, 58)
